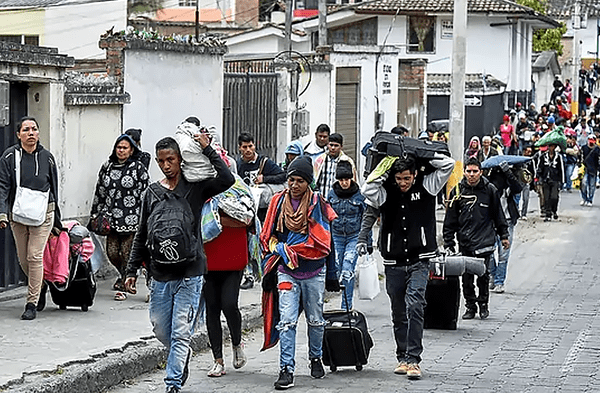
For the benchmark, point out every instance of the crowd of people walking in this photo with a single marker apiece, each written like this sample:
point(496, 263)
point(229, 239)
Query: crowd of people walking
point(214, 224)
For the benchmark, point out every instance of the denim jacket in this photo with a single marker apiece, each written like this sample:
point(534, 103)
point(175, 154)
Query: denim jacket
point(349, 210)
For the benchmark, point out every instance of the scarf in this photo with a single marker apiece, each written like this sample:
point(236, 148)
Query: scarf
point(295, 221)
point(345, 194)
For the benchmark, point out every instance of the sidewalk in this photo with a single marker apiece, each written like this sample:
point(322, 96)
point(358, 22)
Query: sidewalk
point(75, 351)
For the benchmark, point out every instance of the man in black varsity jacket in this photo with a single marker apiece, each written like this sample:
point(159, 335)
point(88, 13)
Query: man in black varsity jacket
point(405, 199)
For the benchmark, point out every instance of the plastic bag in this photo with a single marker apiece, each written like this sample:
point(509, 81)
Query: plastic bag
point(368, 278)
point(195, 166)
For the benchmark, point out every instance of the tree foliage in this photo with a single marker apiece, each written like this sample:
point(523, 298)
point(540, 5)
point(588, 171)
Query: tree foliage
point(546, 39)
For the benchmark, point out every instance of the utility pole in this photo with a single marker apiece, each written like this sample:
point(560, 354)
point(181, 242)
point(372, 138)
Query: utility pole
point(289, 14)
point(457, 95)
point(322, 23)
point(197, 22)
point(575, 81)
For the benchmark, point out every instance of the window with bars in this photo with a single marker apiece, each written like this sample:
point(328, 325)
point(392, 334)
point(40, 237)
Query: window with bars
point(21, 39)
point(187, 3)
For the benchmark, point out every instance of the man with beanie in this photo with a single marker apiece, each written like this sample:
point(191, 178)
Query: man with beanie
point(349, 204)
point(326, 164)
point(405, 199)
point(299, 266)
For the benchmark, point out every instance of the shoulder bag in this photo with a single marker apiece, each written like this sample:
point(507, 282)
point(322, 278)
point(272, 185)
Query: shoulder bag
point(30, 206)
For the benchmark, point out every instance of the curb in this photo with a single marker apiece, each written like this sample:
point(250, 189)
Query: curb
point(99, 372)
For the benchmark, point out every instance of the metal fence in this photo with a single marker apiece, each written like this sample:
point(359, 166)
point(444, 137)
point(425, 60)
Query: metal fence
point(250, 105)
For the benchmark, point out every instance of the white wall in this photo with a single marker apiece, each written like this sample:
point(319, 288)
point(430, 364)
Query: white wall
point(318, 99)
point(76, 29)
point(91, 131)
point(588, 37)
point(167, 87)
point(488, 48)
point(388, 103)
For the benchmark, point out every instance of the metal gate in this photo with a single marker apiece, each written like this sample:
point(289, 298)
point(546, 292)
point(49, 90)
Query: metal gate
point(10, 271)
point(346, 107)
point(250, 105)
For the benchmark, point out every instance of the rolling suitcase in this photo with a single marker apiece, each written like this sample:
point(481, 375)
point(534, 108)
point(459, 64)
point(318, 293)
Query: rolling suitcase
point(346, 340)
point(80, 289)
point(443, 298)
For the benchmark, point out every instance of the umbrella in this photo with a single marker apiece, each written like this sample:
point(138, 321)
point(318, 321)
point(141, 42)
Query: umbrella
point(497, 160)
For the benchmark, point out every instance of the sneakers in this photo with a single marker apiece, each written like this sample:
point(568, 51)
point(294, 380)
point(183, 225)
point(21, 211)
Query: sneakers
point(413, 371)
point(555, 216)
point(524, 218)
point(239, 357)
point(248, 283)
point(492, 285)
point(29, 313)
point(484, 312)
point(583, 203)
point(217, 370)
point(499, 288)
point(589, 204)
point(172, 389)
point(401, 368)
point(469, 314)
point(286, 379)
point(316, 368)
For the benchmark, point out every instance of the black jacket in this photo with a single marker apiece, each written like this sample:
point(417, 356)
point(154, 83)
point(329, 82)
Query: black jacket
point(508, 186)
point(272, 173)
point(38, 172)
point(475, 216)
point(550, 170)
point(197, 194)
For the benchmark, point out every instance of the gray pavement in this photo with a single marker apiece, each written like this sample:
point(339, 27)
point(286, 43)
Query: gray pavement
point(542, 334)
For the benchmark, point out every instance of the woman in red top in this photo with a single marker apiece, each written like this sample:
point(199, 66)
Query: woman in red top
point(507, 131)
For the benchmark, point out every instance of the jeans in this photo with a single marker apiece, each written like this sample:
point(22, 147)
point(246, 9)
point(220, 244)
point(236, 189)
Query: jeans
point(569, 168)
point(291, 291)
point(498, 271)
point(173, 313)
point(346, 257)
point(221, 293)
point(405, 286)
point(483, 282)
point(30, 243)
point(588, 186)
point(525, 199)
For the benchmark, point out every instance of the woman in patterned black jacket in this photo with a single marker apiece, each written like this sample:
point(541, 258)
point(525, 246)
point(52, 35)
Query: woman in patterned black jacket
point(121, 181)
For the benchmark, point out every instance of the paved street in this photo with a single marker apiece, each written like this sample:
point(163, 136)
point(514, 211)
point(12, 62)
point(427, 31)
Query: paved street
point(542, 334)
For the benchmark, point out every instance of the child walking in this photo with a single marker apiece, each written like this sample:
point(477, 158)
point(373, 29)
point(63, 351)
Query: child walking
point(349, 204)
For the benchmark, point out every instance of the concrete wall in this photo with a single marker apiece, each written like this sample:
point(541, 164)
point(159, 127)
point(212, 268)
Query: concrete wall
point(366, 59)
point(27, 22)
point(167, 87)
point(318, 99)
point(489, 48)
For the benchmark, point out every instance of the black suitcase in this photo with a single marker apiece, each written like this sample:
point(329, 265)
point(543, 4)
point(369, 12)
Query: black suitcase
point(80, 289)
point(443, 298)
point(387, 144)
point(346, 340)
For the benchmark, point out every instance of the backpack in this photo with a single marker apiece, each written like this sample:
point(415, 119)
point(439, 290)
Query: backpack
point(171, 236)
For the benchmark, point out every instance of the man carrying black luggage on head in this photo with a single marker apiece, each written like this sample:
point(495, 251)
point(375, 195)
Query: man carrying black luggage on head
point(475, 216)
point(405, 200)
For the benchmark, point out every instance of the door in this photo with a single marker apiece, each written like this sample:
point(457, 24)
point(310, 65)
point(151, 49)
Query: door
point(10, 272)
point(347, 87)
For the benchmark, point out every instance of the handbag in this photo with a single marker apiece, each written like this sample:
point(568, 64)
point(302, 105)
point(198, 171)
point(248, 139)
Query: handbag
point(368, 278)
point(100, 224)
point(263, 192)
point(30, 206)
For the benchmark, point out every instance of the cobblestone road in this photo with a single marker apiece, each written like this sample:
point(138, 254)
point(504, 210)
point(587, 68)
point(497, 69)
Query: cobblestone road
point(543, 333)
